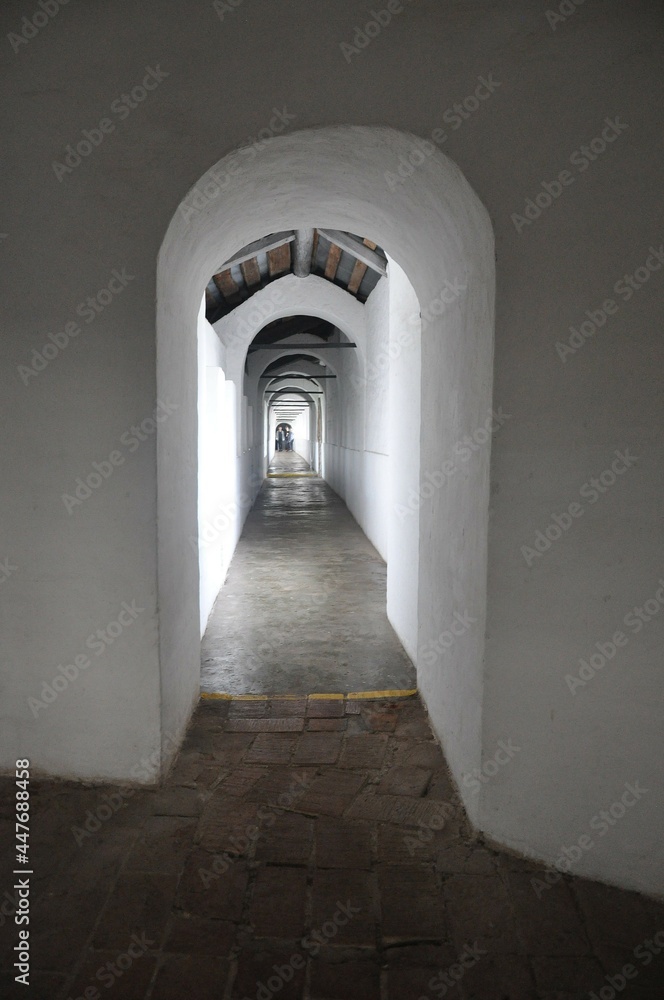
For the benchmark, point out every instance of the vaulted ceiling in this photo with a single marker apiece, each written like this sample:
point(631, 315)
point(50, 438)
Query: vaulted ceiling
point(347, 260)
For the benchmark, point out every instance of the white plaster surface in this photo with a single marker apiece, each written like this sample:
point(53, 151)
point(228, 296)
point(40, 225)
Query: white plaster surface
point(403, 426)
point(61, 240)
point(435, 229)
point(223, 499)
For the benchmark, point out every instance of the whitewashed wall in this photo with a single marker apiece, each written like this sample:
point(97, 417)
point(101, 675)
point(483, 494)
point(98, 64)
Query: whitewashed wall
point(554, 89)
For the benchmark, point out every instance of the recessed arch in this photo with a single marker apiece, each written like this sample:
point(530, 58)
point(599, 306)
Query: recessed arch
point(436, 230)
point(283, 386)
point(283, 297)
point(304, 364)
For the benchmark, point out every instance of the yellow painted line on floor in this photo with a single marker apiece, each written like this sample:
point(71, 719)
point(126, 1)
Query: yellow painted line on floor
point(382, 694)
point(251, 697)
point(369, 695)
point(234, 697)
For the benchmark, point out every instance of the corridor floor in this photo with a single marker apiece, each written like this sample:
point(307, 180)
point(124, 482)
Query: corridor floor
point(305, 849)
point(303, 606)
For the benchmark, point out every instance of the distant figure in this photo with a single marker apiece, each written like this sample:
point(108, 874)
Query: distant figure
point(290, 440)
point(280, 439)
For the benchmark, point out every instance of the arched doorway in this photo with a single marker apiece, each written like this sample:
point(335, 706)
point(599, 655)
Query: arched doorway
point(438, 233)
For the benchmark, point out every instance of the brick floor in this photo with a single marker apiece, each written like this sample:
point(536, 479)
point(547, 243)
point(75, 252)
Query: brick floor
point(315, 863)
point(326, 725)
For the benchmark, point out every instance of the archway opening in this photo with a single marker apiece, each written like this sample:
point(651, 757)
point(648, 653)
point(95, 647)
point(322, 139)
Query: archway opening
point(438, 235)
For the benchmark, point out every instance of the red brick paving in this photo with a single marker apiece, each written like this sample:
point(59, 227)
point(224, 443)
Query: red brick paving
point(326, 725)
point(319, 708)
point(329, 861)
point(287, 725)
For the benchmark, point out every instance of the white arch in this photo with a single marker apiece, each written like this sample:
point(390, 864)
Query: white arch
point(285, 296)
point(435, 228)
point(289, 296)
point(270, 397)
point(324, 393)
point(288, 378)
point(256, 368)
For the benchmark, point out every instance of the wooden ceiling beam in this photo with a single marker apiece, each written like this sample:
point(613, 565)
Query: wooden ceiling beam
point(251, 272)
point(260, 246)
point(357, 248)
point(357, 274)
point(226, 284)
point(279, 260)
point(333, 258)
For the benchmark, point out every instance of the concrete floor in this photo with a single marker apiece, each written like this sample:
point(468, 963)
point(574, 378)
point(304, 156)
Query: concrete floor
point(303, 607)
point(304, 849)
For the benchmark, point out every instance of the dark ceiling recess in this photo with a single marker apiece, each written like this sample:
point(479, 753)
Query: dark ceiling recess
point(276, 331)
point(353, 263)
point(286, 365)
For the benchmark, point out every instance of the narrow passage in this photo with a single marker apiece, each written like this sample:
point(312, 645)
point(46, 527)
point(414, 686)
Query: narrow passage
point(302, 610)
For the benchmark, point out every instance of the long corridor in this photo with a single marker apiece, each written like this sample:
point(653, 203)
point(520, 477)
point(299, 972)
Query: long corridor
point(302, 610)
